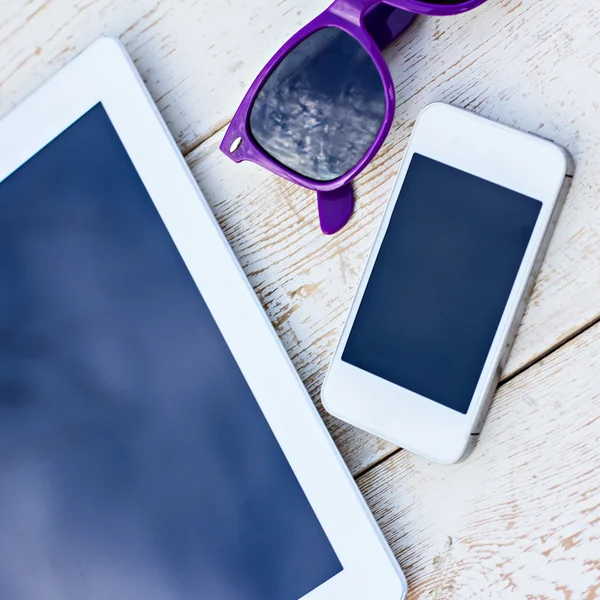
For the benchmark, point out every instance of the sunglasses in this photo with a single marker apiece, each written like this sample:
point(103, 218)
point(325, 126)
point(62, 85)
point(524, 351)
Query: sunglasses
point(323, 105)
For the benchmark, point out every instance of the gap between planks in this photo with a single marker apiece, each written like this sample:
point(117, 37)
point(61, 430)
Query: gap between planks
point(534, 361)
point(188, 149)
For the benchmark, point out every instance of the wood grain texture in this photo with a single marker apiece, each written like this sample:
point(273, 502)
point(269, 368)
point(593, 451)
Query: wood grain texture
point(520, 518)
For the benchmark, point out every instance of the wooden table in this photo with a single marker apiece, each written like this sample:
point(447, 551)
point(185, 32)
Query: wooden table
point(521, 518)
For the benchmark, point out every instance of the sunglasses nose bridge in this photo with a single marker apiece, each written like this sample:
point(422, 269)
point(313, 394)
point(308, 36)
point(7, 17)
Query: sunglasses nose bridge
point(384, 22)
point(352, 10)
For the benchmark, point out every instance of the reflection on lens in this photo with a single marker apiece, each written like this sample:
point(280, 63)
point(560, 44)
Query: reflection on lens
point(322, 106)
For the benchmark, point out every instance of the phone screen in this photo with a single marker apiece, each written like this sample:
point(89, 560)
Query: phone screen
point(441, 281)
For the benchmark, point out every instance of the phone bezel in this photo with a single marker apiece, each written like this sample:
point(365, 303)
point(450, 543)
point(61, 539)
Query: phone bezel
point(515, 160)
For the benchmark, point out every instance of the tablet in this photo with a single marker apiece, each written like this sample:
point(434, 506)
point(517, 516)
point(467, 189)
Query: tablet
point(155, 440)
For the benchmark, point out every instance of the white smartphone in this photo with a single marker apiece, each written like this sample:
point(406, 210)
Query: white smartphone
point(446, 284)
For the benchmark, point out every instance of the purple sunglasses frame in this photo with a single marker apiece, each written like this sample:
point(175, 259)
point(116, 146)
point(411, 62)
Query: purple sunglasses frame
point(375, 24)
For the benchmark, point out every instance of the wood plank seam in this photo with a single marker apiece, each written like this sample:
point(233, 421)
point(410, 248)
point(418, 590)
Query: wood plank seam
point(556, 348)
point(523, 513)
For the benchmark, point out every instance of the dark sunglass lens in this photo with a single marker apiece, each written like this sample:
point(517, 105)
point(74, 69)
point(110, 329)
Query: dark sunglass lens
point(322, 106)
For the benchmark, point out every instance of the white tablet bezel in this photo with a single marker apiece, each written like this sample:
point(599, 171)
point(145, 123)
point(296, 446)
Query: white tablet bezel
point(518, 161)
point(104, 73)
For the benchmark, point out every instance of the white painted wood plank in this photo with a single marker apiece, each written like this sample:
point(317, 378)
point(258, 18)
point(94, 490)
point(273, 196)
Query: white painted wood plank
point(547, 83)
point(520, 518)
point(197, 57)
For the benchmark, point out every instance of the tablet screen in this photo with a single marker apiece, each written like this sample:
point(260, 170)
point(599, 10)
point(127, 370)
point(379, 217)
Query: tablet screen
point(135, 462)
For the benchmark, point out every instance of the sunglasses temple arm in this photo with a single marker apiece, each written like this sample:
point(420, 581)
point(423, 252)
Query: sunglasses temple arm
point(335, 208)
point(386, 23)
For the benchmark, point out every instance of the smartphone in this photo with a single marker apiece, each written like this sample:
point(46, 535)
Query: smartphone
point(447, 281)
